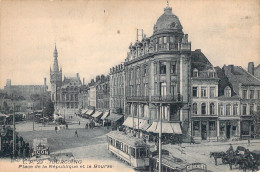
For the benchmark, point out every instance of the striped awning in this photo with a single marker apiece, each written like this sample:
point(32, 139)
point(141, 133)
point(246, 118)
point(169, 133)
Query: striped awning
point(84, 111)
point(89, 112)
point(114, 117)
point(105, 115)
point(128, 122)
point(97, 114)
point(167, 127)
point(133, 123)
point(145, 125)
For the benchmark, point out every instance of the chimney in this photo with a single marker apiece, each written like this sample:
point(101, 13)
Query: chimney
point(83, 81)
point(77, 75)
point(251, 68)
point(8, 82)
point(102, 78)
point(45, 88)
point(97, 78)
point(231, 68)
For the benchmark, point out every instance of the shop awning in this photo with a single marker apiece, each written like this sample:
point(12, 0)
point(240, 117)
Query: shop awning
point(229, 118)
point(84, 111)
point(134, 124)
point(97, 114)
point(145, 125)
point(89, 112)
point(3, 115)
point(114, 117)
point(105, 115)
point(174, 128)
point(128, 122)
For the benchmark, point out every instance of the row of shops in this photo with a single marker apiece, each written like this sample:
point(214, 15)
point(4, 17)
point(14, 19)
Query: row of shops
point(212, 128)
point(104, 118)
point(171, 131)
point(216, 128)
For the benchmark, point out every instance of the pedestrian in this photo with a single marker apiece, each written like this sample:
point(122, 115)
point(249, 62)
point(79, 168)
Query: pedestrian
point(248, 141)
point(86, 125)
point(56, 129)
point(79, 122)
point(76, 133)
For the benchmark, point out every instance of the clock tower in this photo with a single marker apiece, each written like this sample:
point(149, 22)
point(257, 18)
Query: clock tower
point(55, 75)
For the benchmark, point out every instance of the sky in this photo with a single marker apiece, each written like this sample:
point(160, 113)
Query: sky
point(93, 36)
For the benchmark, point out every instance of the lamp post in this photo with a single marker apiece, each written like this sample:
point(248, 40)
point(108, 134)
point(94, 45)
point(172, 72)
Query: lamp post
point(33, 116)
point(14, 131)
point(3, 134)
point(160, 137)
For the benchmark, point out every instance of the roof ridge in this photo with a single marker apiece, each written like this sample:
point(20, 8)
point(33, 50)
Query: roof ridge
point(249, 73)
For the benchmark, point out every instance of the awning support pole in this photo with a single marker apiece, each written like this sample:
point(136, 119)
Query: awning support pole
point(160, 137)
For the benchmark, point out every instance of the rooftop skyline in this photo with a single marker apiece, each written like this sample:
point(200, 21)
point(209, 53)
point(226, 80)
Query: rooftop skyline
point(93, 36)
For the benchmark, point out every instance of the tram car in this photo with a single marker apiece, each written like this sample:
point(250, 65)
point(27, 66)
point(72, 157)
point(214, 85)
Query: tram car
point(129, 149)
point(173, 164)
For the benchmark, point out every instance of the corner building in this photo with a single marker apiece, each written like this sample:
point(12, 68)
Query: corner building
point(157, 71)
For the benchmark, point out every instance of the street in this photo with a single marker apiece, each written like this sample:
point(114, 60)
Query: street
point(90, 145)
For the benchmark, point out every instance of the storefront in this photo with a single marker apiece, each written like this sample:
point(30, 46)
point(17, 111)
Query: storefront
point(204, 128)
point(247, 127)
point(229, 128)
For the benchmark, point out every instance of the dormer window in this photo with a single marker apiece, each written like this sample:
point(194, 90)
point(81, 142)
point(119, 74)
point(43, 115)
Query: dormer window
point(211, 73)
point(195, 73)
point(164, 40)
point(227, 91)
point(160, 40)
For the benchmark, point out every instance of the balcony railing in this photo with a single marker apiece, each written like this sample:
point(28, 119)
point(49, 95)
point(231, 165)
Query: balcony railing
point(137, 98)
point(167, 99)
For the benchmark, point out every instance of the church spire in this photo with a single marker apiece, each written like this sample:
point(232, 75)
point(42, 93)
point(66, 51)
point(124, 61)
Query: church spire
point(55, 55)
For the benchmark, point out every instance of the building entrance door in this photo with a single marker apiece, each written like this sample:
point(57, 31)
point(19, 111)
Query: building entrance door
point(203, 130)
point(228, 131)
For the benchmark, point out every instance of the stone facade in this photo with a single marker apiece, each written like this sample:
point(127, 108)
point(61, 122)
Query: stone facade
point(157, 72)
point(117, 89)
point(68, 95)
point(204, 101)
point(64, 94)
point(247, 87)
point(103, 94)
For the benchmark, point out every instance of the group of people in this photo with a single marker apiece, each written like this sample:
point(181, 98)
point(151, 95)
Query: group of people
point(90, 125)
point(22, 149)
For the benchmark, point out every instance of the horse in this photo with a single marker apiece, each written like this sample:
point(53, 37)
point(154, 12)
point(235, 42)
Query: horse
point(217, 155)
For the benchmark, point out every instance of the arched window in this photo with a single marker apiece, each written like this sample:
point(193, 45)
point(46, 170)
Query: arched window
point(194, 108)
point(227, 91)
point(212, 109)
point(203, 108)
point(195, 73)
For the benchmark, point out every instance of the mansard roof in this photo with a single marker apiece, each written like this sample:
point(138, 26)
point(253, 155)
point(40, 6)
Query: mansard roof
point(199, 61)
point(237, 75)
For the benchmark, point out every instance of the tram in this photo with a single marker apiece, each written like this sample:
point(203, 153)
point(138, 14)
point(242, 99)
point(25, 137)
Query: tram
point(173, 164)
point(132, 150)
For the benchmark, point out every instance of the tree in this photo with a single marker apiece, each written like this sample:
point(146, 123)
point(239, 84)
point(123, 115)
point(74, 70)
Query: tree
point(49, 109)
point(256, 122)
